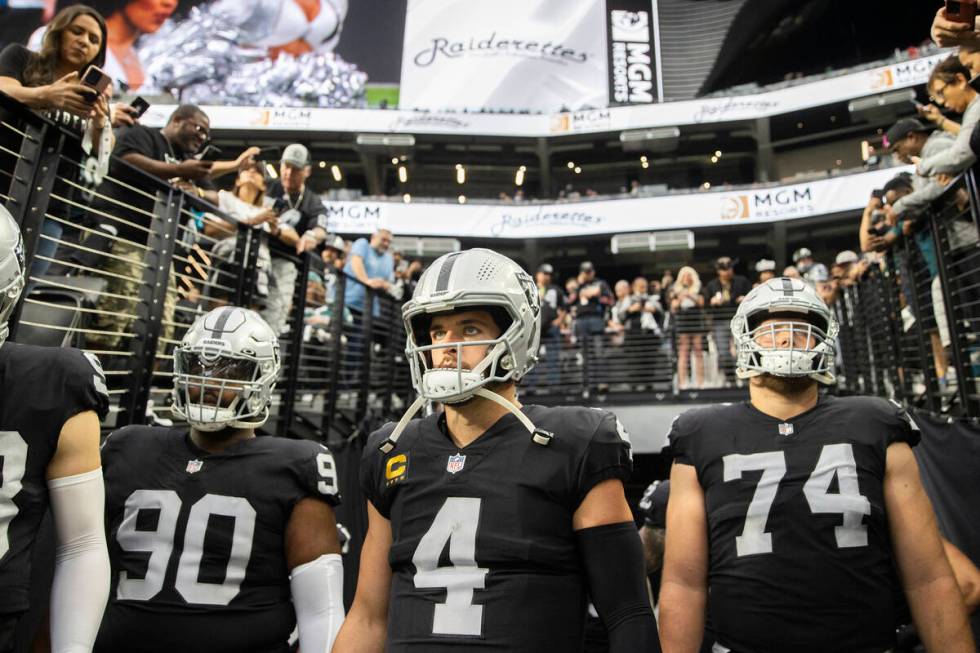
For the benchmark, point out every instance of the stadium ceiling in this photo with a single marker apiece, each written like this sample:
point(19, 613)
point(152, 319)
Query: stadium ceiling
point(771, 39)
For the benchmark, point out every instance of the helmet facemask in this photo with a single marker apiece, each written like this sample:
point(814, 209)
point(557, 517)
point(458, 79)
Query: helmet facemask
point(215, 388)
point(456, 384)
point(784, 347)
point(10, 294)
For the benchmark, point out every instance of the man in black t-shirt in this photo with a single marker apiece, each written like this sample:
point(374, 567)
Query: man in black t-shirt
point(124, 203)
point(302, 227)
point(722, 295)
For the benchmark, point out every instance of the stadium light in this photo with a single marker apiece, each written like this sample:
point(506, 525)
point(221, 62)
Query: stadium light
point(519, 176)
point(402, 174)
point(714, 159)
point(271, 169)
point(578, 170)
point(407, 198)
point(394, 160)
point(461, 199)
point(718, 153)
point(644, 164)
point(323, 164)
point(460, 174)
point(643, 159)
point(335, 171)
point(706, 185)
point(571, 165)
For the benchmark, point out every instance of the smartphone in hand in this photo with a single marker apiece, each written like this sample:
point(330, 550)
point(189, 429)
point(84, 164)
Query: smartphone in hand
point(96, 79)
point(140, 105)
point(959, 11)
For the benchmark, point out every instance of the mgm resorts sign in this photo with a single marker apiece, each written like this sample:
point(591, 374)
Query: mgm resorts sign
point(771, 205)
point(632, 59)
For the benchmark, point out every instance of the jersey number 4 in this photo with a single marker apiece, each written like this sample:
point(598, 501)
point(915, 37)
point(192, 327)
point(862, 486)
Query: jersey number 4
point(455, 524)
point(835, 459)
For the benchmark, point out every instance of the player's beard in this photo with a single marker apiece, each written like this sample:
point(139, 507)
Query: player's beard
point(787, 386)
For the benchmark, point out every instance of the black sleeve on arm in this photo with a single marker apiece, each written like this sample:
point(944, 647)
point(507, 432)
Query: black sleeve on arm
point(613, 559)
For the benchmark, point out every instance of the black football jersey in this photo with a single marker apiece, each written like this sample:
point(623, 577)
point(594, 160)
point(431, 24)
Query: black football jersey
point(653, 504)
point(483, 554)
point(42, 388)
point(197, 540)
point(800, 552)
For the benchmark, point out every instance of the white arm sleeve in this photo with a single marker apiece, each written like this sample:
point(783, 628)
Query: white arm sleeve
point(81, 572)
point(318, 598)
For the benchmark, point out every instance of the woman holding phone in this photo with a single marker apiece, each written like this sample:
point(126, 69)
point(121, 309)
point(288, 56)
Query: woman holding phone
point(50, 82)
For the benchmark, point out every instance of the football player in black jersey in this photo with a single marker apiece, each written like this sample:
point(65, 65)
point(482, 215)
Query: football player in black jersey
point(490, 524)
point(221, 541)
point(653, 507)
point(797, 519)
point(51, 401)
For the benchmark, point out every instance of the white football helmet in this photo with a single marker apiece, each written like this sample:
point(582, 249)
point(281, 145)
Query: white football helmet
point(473, 279)
point(230, 349)
point(807, 349)
point(12, 269)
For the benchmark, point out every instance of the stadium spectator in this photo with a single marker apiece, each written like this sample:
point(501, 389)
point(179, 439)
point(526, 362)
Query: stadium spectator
point(163, 153)
point(765, 270)
point(592, 299)
point(909, 140)
point(847, 259)
point(723, 294)
point(687, 308)
point(791, 272)
point(969, 56)
point(950, 83)
point(807, 265)
point(552, 314)
point(245, 204)
point(301, 227)
point(896, 189)
point(49, 81)
point(373, 266)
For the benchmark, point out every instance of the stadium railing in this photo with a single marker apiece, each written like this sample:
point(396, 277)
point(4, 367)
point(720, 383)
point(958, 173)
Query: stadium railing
point(921, 298)
point(344, 369)
point(194, 258)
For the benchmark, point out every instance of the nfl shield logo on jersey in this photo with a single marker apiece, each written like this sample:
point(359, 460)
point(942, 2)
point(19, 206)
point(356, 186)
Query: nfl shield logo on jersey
point(455, 463)
point(785, 429)
point(194, 466)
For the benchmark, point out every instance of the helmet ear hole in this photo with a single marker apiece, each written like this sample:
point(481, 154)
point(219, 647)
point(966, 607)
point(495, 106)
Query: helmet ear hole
point(507, 362)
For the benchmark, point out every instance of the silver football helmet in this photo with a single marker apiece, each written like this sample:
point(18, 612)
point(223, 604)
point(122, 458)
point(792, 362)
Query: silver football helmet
point(472, 279)
point(12, 269)
point(785, 348)
point(225, 369)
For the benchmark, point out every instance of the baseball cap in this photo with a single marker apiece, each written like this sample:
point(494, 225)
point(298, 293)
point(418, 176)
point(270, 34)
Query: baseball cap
point(724, 262)
point(296, 155)
point(765, 265)
point(846, 257)
point(336, 243)
point(901, 129)
point(586, 266)
point(546, 268)
point(801, 253)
